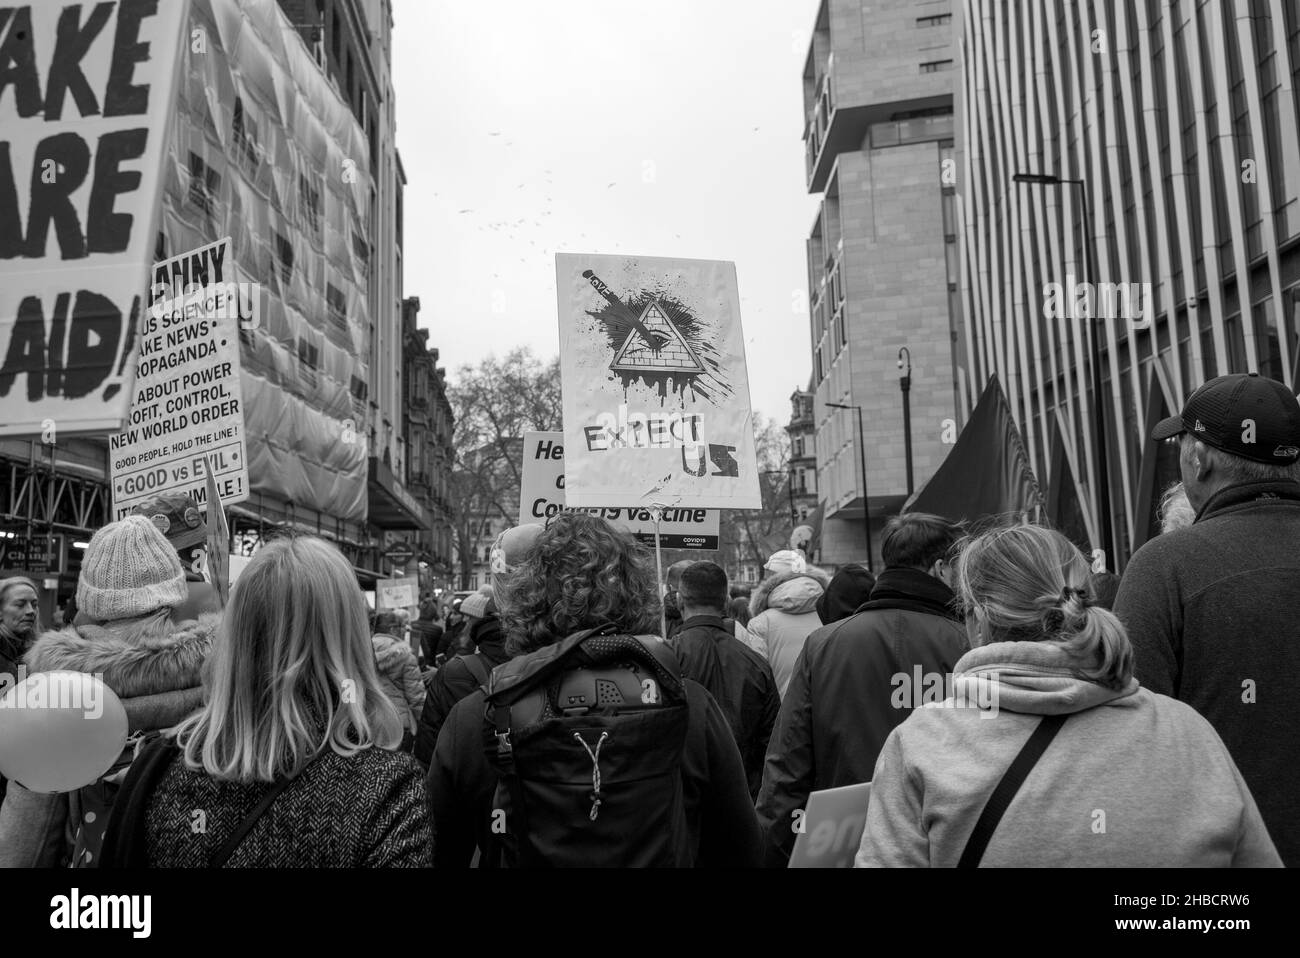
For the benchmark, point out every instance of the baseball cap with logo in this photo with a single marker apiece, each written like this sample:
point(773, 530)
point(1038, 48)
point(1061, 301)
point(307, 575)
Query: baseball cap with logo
point(1244, 414)
point(177, 517)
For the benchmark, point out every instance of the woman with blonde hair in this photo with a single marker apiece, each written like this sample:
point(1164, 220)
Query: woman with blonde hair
point(1048, 752)
point(289, 758)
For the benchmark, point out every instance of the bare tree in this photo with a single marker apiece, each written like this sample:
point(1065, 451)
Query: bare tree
point(754, 534)
point(494, 403)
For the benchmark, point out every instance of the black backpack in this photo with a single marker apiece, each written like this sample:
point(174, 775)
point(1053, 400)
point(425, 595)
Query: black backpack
point(587, 738)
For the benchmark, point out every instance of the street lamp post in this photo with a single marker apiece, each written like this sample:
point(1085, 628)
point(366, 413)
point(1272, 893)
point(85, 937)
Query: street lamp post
point(905, 384)
point(1094, 360)
point(862, 456)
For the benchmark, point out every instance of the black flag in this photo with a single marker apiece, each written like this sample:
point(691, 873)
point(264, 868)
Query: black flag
point(987, 471)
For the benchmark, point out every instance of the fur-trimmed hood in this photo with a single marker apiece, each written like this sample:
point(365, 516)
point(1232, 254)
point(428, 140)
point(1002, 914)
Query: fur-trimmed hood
point(168, 656)
point(800, 593)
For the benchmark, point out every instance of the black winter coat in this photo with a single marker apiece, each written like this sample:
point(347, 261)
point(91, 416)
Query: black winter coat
point(740, 681)
point(840, 705)
point(719, 814)
point(453, 682)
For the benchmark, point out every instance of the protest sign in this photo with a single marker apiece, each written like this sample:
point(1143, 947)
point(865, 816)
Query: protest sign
point(654, 383)
point(831, 830)
point(541, 495)
point(397, 593)
point(86, 96)
point(187, 403)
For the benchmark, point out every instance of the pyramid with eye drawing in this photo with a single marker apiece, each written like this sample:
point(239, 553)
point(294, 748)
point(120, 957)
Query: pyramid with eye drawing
point(672, 356)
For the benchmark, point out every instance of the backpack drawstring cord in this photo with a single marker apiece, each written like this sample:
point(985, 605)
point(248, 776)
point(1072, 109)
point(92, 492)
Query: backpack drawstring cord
point(595, 771)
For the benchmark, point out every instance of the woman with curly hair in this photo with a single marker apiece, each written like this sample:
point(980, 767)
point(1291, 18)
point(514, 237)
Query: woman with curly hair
point(580, 574)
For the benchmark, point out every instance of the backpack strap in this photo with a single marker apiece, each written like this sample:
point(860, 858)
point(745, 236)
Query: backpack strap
point(1006, 790)
point(476, 668)
point(124, 833)
point(237, 837)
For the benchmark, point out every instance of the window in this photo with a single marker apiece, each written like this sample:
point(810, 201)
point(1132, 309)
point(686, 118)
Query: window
point(798, 447)
point(936, 21)
point(309, 200)
point(936, 66)
point(337, 303)
point(245, 136)
point(308, 353)
point(204, 184)
point(284, 254)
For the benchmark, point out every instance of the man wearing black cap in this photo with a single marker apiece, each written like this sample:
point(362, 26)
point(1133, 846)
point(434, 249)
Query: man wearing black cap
point(1213, 610)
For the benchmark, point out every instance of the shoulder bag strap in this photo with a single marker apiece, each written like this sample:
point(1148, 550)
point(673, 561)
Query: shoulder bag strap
point(246, 826)
point(1006, 790)
point(476, 668)
point(124, 832)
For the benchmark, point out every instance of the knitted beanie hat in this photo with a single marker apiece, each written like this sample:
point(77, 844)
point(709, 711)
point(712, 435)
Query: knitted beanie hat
point(129, 569)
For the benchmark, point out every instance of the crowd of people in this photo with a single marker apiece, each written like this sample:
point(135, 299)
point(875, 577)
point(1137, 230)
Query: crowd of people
point(1083, 719)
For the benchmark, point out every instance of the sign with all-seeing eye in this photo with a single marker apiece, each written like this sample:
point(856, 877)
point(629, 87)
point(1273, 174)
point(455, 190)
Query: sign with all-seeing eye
point(654, 384)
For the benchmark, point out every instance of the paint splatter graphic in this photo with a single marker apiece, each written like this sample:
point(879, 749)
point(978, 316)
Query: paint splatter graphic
point(683, 361)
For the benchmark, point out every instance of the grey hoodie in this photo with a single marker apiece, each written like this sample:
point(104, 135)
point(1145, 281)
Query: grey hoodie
point(1133, 779)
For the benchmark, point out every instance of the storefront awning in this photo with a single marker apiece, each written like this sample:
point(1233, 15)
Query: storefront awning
point(390, 505)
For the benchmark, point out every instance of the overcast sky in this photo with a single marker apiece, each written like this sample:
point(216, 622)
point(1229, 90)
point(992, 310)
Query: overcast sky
point(669, 128)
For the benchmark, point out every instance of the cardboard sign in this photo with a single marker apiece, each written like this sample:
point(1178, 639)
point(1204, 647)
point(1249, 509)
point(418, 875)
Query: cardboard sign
point(397, 593)
point(187, 406)
point(542, 495)
point(86, 94)
point(832, 828)
point(654, 383)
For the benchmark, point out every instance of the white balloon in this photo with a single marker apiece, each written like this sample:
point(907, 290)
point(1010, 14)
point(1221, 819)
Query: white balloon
point(60, 731)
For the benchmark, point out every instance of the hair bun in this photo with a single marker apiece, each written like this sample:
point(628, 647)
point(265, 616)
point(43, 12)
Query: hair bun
point(1081, 595)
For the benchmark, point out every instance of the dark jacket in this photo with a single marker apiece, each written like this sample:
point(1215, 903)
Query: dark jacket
point(719, 813)
point(454, 681)
point(1211, 611)
point(740, 681)
point(366, 810)
point(842, 703)
point(156, 673)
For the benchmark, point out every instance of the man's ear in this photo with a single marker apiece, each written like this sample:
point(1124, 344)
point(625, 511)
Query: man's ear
point(1202, 461)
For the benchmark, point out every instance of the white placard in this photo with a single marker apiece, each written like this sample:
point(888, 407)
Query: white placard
point(541, 495)
point(187, 405)
point(654, 383)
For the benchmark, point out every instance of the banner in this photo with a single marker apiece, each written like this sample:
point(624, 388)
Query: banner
point(654, 383)
point(542, 495)
point(187, 406)
point(86, 95)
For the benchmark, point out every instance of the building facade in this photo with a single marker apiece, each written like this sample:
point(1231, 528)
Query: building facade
point(351, 41)
point(882, 255)
point(1175, 245)
point(802, 430)
point(427, 425)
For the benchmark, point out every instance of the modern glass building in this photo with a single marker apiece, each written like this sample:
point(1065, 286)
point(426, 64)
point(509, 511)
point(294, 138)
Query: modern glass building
point(1177, 245)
